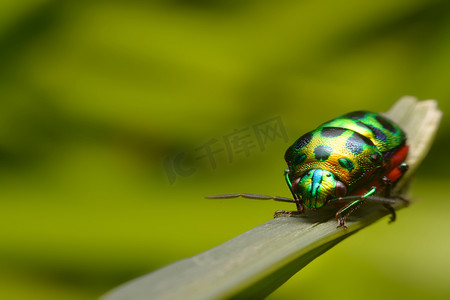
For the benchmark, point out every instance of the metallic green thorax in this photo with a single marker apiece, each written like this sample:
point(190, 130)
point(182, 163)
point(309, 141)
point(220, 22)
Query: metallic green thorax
point(344, 152)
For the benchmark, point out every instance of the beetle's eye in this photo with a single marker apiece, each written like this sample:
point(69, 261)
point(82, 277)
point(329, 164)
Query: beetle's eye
point(295, 184)
point(341, 189)
point(328, 175)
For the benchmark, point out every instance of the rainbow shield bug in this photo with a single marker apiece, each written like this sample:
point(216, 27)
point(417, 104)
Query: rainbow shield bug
point(357, 157)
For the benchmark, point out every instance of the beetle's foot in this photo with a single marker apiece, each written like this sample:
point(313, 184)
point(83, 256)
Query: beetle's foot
point(344, 212)
point(343, 226)
point(341, 222)
point(392, 211)
point(287, 213)
point(392, 218)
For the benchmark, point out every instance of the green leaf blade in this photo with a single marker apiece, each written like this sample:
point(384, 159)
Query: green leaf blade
point(255, 263)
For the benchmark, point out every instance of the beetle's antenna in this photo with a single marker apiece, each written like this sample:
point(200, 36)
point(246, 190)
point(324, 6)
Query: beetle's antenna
point(251, 196)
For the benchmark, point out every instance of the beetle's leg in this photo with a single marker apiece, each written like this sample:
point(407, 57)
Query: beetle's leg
point(387, 183)
point(300, 210)
point(387, 193)
point(289, 183)
point(393, 176)
point(300, 206)
point(398, 160)
point(403, 167)
point(344, 212)
point(298, 203)
point(279, 213)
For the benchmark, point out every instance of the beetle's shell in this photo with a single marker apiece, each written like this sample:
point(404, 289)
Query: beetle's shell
point(353, 147)
point(383, 133)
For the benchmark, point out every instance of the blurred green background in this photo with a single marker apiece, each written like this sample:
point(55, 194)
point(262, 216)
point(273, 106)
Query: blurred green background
point(96, 95)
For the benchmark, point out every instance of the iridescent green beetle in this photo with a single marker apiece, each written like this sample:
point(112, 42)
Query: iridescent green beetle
point(356, 157)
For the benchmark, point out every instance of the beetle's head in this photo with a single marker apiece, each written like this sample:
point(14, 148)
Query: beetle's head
point(317, 186)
